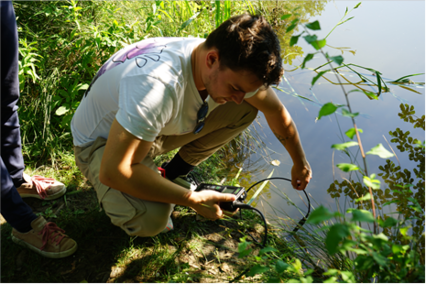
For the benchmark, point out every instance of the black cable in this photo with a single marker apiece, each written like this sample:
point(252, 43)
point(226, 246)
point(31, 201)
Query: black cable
point(246, 206)
point(303, 220)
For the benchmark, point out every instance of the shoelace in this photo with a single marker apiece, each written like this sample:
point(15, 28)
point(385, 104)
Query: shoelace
point(42, 184)
point(53, 232)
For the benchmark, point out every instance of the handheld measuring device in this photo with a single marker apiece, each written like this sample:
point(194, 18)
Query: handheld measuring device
point(238, 191)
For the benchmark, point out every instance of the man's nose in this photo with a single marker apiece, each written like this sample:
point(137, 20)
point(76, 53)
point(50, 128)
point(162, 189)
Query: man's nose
point(238, 98)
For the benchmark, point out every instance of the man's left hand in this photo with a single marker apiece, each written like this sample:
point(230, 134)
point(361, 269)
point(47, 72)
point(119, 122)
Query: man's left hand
point(300, 176)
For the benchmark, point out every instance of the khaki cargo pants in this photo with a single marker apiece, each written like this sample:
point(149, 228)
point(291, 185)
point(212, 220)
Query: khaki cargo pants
point(139, 217)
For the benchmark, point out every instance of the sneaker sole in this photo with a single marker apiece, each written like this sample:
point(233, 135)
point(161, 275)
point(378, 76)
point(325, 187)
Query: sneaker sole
point(61, 254)
point(49, 197)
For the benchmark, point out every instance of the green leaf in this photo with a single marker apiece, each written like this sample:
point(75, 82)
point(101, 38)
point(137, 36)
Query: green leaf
point(314, 26)
point(364, 263)
point(357, 5)
point(359, 215)
point(351, 132)
point(365, 197)
point(348, 276)
point(310, 38)
point(332, 271)
point(347, 167)
point(380, 259)
point(267, 249)
point(396, 248)
point(381, 236)
point(345, 112)
point(319, 44)
point(402, 78)
point(319, 215)
point(345, 145)
point(337, 59)
point(290, 28)
point(280, 266)
point(257, 269)
point(380, 151)
point(187, 22)
point(327, 109)
point(369, 94)
point(83, 87)
point(297, 265)
point(245, 253)
point(286, 16)
point(416, 208)
point(317, 77)
point(371, 182)
point(61, 111)
point(313, 40)
point(379, 82)
point(390, 202)
point(307, 58)
point(294, 39)
point(336, 233)
point(243, 246)
point(357, 251)
point(332, 279)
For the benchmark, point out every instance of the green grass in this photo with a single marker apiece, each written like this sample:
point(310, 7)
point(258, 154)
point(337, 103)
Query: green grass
point(78, 37)
point(62, 45)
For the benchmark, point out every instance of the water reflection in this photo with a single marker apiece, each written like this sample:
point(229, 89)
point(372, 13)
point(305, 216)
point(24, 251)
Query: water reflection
point(377, 118)
point(409, 204)
point(278, 14)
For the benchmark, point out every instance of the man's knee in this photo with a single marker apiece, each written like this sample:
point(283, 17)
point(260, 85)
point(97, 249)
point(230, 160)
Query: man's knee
point(138, 217)
point(145, 227)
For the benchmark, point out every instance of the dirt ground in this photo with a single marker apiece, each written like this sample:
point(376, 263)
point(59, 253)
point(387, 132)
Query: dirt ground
point(195, 251)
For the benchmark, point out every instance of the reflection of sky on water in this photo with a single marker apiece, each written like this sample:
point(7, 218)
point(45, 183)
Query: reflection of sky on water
point(388, 36)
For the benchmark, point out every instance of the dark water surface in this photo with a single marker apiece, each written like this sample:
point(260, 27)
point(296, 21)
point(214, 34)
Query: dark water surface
point(388, 36)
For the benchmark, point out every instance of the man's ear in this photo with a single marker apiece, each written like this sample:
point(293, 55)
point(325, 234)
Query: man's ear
point(212, 58)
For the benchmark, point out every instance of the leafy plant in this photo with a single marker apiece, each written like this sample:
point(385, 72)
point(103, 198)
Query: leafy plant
point(375, 256)
point(353, 253)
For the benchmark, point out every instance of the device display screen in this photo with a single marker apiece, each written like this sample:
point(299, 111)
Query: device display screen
point(229, 190)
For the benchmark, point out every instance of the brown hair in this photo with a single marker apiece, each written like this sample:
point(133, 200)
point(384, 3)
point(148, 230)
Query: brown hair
point(247, 42)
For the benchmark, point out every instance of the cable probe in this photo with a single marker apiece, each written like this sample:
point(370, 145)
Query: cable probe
point(241, 194)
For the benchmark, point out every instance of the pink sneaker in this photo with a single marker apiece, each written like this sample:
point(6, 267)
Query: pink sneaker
point(46, 239)
point(41, 188)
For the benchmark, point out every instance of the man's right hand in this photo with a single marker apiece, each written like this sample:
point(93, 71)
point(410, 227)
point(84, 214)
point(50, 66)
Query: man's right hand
point(206, 203)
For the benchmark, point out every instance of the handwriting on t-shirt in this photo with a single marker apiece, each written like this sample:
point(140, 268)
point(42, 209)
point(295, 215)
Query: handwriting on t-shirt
point(141, 52)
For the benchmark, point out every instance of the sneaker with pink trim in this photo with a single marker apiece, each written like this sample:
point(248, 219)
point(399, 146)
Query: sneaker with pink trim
point(41, 188)
point(46, 238)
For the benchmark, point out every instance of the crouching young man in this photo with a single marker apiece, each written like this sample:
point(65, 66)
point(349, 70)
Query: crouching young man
point(164, 93)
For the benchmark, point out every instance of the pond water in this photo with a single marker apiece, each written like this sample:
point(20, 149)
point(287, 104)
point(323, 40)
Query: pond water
point(388, 36)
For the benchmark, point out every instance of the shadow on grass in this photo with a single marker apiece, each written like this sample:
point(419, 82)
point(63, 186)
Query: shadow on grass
point(194, 252)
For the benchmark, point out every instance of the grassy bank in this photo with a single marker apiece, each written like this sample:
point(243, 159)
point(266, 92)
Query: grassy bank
point(63, 44)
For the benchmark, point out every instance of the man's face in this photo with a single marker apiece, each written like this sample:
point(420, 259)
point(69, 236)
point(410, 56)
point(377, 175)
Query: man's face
point(226, 85)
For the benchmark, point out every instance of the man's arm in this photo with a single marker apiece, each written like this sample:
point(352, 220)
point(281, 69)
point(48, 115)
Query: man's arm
point(121, 169)
point(282, 125)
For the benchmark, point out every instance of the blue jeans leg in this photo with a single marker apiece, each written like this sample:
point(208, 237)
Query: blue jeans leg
point(16, 212)
point(11, 149)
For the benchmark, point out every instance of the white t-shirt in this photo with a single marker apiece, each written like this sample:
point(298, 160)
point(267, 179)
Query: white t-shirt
point(148, 87)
